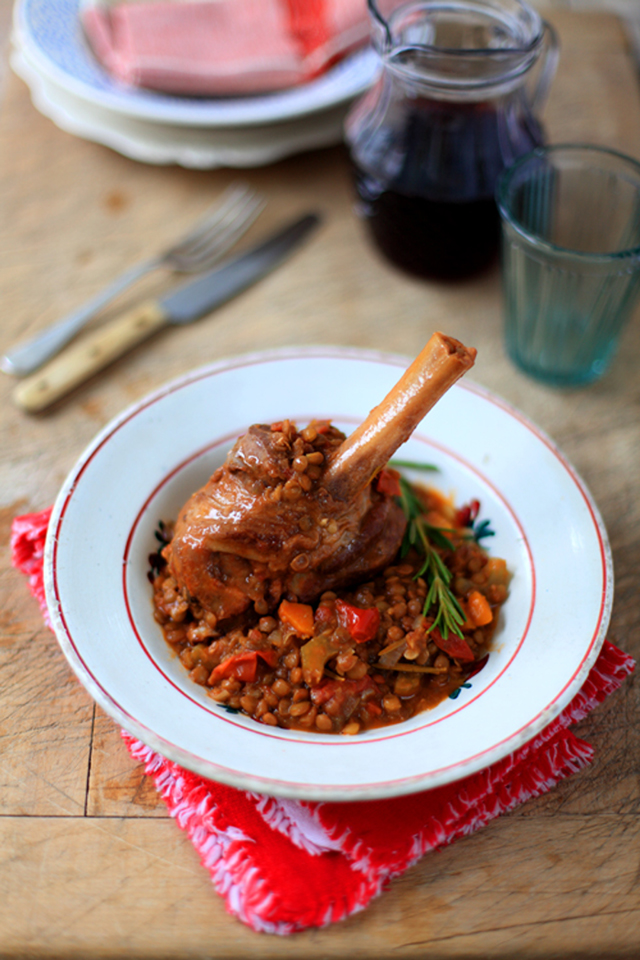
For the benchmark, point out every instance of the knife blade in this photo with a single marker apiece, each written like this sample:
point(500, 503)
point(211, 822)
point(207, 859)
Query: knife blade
point(189, 302)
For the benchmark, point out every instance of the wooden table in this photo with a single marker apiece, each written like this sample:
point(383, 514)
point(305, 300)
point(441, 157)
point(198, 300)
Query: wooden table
point(90, 864)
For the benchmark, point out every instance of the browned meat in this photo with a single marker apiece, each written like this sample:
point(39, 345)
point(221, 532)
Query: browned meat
point(249, 535)
point(299, 513)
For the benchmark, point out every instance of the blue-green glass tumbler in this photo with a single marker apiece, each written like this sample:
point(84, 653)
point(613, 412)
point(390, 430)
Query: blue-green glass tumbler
point(570, 259)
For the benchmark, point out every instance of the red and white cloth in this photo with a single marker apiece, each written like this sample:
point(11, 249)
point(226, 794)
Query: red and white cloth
point(284, 865)
point(223, 47)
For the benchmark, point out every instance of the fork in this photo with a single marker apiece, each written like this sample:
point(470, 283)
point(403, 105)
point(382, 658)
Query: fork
point(220, 228)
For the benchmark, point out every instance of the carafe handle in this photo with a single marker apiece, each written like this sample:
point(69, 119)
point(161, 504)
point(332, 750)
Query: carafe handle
point(548, 68)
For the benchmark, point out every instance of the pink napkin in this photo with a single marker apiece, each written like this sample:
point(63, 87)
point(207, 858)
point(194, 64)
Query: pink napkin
point(222, 47)
point(285, 865)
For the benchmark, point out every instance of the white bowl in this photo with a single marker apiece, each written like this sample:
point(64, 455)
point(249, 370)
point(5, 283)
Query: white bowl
point(145, 464)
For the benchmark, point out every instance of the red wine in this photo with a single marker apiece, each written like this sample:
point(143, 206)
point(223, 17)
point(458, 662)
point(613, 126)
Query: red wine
point(426, 187)
point(432, 238)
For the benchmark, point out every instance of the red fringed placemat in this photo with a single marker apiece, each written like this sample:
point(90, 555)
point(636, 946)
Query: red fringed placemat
point(285, 865)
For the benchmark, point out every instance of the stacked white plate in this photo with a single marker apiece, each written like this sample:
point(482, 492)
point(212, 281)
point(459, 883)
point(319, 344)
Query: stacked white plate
point(68, 85)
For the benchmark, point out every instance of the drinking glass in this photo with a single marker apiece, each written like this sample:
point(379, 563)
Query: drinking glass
point(570, 259)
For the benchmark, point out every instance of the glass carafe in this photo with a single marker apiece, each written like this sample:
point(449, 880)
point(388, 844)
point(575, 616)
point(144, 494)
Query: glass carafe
point(457, 100)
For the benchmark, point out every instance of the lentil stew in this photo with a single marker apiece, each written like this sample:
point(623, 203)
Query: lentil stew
point(373, 652)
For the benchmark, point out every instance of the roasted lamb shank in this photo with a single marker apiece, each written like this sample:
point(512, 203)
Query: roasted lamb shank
point(293, 514)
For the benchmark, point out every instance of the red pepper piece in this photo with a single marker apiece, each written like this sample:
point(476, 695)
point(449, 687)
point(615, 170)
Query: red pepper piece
point(242, 666)
point(453, 646)
point(467, 514)
point(362, 625)
point(388, 482)
point(342, 698)
point(325, 691)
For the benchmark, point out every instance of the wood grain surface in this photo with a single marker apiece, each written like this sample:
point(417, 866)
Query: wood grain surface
point(90, 864)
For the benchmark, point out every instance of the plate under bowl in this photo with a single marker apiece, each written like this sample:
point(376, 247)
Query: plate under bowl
point(50, 33)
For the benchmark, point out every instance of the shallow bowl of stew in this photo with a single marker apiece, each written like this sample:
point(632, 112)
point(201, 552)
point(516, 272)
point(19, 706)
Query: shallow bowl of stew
point(144, 465)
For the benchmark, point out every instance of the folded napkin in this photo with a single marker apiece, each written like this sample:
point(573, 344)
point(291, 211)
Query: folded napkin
point(222, 47)
point(286, 865)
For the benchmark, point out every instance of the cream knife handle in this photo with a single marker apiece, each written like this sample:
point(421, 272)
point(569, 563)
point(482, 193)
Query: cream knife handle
point(88, 356)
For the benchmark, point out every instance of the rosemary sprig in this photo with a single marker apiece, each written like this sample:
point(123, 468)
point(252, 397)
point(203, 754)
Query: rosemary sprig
point(426, 538)
point(413, 465)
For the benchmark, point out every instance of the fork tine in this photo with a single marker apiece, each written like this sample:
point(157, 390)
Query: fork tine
point(218, 227)
point(251, 213)
point(219, 239)
point(218, 213)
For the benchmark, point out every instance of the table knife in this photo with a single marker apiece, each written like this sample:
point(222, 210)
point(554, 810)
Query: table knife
point(189, 302)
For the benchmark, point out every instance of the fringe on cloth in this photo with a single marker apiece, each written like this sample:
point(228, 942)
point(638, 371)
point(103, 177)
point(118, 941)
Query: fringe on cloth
point(282, 866)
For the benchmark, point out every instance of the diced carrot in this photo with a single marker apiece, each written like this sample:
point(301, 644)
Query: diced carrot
point(496, 570)
point(437, 519)
point(297, 615)
point(469, 624)
point(478, 609)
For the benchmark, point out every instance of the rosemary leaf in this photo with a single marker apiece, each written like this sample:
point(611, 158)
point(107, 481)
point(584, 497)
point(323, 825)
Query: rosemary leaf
point(448, 615)
point(412, 465)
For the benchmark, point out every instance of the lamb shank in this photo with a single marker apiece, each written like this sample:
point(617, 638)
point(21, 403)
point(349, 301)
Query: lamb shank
point(293, 514)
